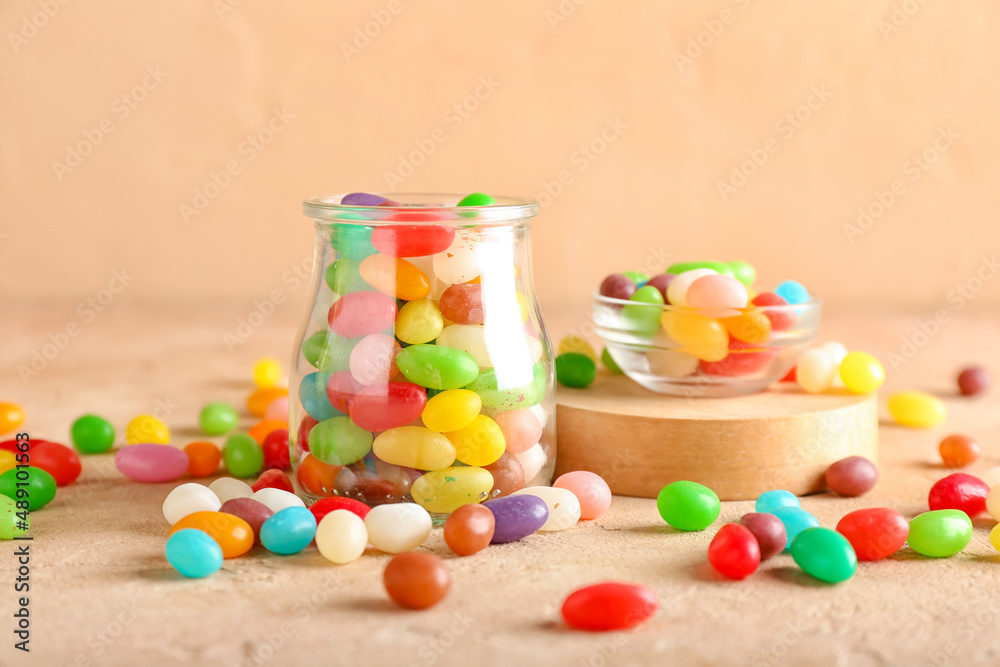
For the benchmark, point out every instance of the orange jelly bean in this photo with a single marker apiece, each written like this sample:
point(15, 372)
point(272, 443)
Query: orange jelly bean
point(232, 533)
point(264, 428)
point(395, 276)
point(259, 400)
point(204, 458)
point(317, 477)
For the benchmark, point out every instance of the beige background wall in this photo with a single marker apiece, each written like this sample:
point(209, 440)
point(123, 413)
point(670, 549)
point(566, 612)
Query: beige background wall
point(888, 82)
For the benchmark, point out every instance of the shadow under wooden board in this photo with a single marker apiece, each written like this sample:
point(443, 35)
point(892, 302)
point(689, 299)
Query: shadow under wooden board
point(639, 441)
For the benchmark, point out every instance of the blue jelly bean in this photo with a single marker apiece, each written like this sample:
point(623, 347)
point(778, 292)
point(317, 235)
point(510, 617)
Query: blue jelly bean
point(312, 395)
point(193, 553)
point(792, 292)
point(769, 501)
point(796, 520)
point(288, 531)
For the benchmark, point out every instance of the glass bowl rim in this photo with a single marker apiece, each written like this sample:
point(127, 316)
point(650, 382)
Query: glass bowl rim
point(814, 303)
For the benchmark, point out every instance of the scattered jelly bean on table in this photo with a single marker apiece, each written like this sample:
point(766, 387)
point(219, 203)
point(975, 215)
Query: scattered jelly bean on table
point(264, 428)
point(795, 520)
point(11, 417)
point(227, 488)
point(940, 533)
point(11, 523)
point(232, 533)
point(917, 409)
point(275, 448)
point(852, 476)
point(242, 455)
point(7, 460)
point(993, 502)
point(687, 505)
point(324, 506)
point(959, 491)
point(825, 554)
point(341, 536)
point(609, 606)
point(277, 499)
point(563, 505)
point(816, 370)
point(58, 460)
point(574, 369)
point(277, 409)
point(218, 418)
point(273, 479)
point(399, 527)
point(437, 367)
point(991, 477)
point(515, 517)
point(267, 372)
point(874, 532)
point(255, 513)
point(974, 380)
point(792, 292)
point(590, 489)
point(861, 372)
point(959, 451)
point(469, 529)
point(617, 286)
point(416, 580)
point(92, 434)
point(188, 499)
point(147, 429)
point(769, 532)
point(152, 463)
point(193, 553)
point(734, 552)
point(203, 458)
point(769, 501)
point(39, 485)
point(258, 401)
point(288, 531)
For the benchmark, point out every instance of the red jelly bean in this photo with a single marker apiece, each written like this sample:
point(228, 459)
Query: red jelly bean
point(273, 479)
point(412, 240)
point(617, 286)
point(340, 388)
point(385, 406)
point(275, 446)
point(734, 551)
point(463, 303)
point(305, 426)
point(772, 538)
point(611, 605)
point(781, 320)
point(58, 460)
point(321, 508)
point(973, 380)
point(743, 359)
point(12, 445)
point(959, 491)
point(874, 532)
point(362, 313)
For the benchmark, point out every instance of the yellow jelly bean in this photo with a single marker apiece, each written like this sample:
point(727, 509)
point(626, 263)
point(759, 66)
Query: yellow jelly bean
point(862, 373)
point(414, 447)
point(395, 276)
point(576, 344)
point(917, 409)
point(267, 372)
point(751, 326)
point(522, 303)
point(469, 338)
point(451, 410)
point(703, 337)
point(147, 428)
point(995, 537)
point(444, 491)
point(419, 322)
point(480, 443)
point(7, 460)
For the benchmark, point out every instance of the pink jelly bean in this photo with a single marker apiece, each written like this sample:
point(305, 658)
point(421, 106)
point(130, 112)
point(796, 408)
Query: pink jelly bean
point(521, 429)
point(412, 240)
point(362, 313)
point(277, 409)
point(341, 388)
point(373, 359)
point(151, 463)
point(716, 294)
point(590, 489)
point(385, 406)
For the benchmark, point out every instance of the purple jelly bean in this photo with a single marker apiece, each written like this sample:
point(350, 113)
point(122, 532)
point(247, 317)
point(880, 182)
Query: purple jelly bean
point(151, 463)
point(516, 517)
point(366, 199)
point(252, 511)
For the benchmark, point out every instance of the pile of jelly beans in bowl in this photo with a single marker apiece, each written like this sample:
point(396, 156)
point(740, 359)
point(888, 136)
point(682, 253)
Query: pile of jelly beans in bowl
point(704, 328)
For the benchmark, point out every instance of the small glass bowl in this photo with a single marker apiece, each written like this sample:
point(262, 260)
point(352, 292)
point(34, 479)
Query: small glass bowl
point(701, 356)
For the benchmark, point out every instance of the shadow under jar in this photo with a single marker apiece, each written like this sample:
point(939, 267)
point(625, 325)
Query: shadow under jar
point(423, 372)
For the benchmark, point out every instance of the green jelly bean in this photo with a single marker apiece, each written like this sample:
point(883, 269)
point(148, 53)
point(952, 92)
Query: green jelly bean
point(217, 418)
point(638, 277)
point(9, 519)
point(825, 554)
point(477, 199)
point(688, 505)
point(940, 533)
point(641, 319)
point(328, 352)
point(610, 363)
point(352, 241)
point(721, 267)
point(743, 271)
point(39, 485)
point(242, 455)
point(540, 382)
point(437, 367)
point(339, 441)
point(92, 434)
point(575, 370)
point(344, 277)
point(509, 399)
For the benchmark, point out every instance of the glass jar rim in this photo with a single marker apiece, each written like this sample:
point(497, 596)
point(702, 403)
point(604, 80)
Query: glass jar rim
point(420, 208)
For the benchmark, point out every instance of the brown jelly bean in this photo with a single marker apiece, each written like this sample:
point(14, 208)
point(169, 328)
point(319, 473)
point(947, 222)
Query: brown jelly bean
point(853, 476)
point(469, 529)
point(769, 531)
point(973, 380)
point(252, 511)
point(463, 303)
point(618, 286)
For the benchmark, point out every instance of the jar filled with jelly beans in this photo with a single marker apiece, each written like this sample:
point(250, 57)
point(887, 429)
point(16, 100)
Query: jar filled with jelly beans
point(423, 372)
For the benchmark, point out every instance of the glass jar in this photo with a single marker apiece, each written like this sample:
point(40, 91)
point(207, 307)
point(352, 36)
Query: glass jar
point(423, 371)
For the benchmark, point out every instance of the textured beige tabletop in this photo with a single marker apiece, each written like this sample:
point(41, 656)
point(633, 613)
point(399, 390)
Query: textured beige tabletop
point(102, 593)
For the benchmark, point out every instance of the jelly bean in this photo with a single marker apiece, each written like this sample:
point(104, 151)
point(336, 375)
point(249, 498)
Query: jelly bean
point(218, 418)
point(563, 505)
point(469, 529)
point(993, 500)
point(340, 389)
point(444, 491)
point(769, 501)
point(642, 315)
point(151, 462)
point(419, 322)
point(275, 449)
point(188, 499)
point(470, 338)
point(991, 477)
point(608, 606)
point(853, 476)
point(276, 499)
point(227, 488)
point(11, 417)
point(750, 326)
point(373, 359)
point(258, 401)
point(782, 318)
point(861, 373)
point(959, 451)
point(508, 475)
point(463, 304)
point(994, 537)
point(679, 286)
point(973, 381)
point(230, 532)
point(39, 485)
point(521, 429)
point(451, 410)
point(717, 295)
point(516, 517)
point(395, 277)
point(661, 282)
point(591, 490)
point(610, 363)
point(288, 531)
point(341, 537)
point(414, 447)
point(461, 262)
point(959, 491)
point(671, 363)
point(437, 367)
point(617, 286)
point(874, 532)
point(575, 370)
point(743, 271)
point(792, 292)
point(361, 313)
point(578, 345)
point(322, 507)
point(768, 531)
point(14, 522)
point(502, 399)
point(825, 554)
point(412, 240)
point(267, 372)
point(476, 199)
point(478, 444)
point(316, 477)
point(273, 479)
point(381, 407)
point(638, 277)
point(716, 267)
point(734, 552)
point(743, 359)
point(698, 335)
point(7, 461)
point(916, 409)
point(940, 533)
point(339, 441)
point(365, 199)
point(688, 505)
point(352, 241)
point(147, 429)
point(193, 553)
point(242, 456)
point(266, 427)
point(795, 520)
point(92, 434)
point(816, 370)
point(255, 513)
point(344, 276)
point(398, 527)
point(58, 460)
point(416, 580)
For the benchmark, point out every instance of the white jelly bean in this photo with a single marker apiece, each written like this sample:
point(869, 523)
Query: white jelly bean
point(227, 488)
point(993, 503)
point(564, 506)
point(188, 499)
point(460, 262)
point(816, 370)
point(671, 363)
point(532, 461)
point(469, 338)
point(277, 499)
point(678, 288)
point(398, 527)
point(991, 477)
point(540, 413)
point(838, 351)
point(341, 536)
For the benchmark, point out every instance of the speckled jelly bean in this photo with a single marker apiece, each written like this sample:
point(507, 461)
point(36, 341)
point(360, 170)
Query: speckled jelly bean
point(451, 410)
point(38, 484)
point(503, 399)
point(940, 533)
point(734, 552)
point(242, 456)
point(339, 441)
point(233, 534)
point(373, 359)
point(609, 606)
point(591, 490)
point(412, 240)
point(563, 505)
point(825, 554)
point(414, 447)
point(11, 417)
point(288, 531)
point(617, 286)
point(516, 517)
point(792, 292)
point(861, 373)
point(697, 335)
point(58, 460)
point(188, 499)
point(444, 491)
point(852, 476)
point(152, 463)
point(574, 369)
point(341, 536)
point(874, 532)
point(147, 429)
point(795, 520)
point(769, 501)
point(437, 367)
point(419, 322)
point(461, 262)
point(416, 580)
point(218, 418)
point(463, 304)
point(92, 434)
point(687, 505)
point(479, 443)
point(973, 381)
point(227, 488)
point(13, 522)
point(642, 315)
point(193, 553)
point(959, 491)
point(253, 512)
point(398, 527)
point(381, 407)
point(395, 277)
point(469, 529)
point(361, 313)
point(769, 532)
point(917, 409)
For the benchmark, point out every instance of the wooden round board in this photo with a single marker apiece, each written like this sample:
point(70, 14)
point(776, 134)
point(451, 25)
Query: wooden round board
point(640, 441)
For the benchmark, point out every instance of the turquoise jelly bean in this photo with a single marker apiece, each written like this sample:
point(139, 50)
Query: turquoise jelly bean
point(288, 531)
point(769, 501)
point(792, 292)
point(352, 241)
point(437, 367)
point(193, 553)
point(796, 520)
point(312, 396)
